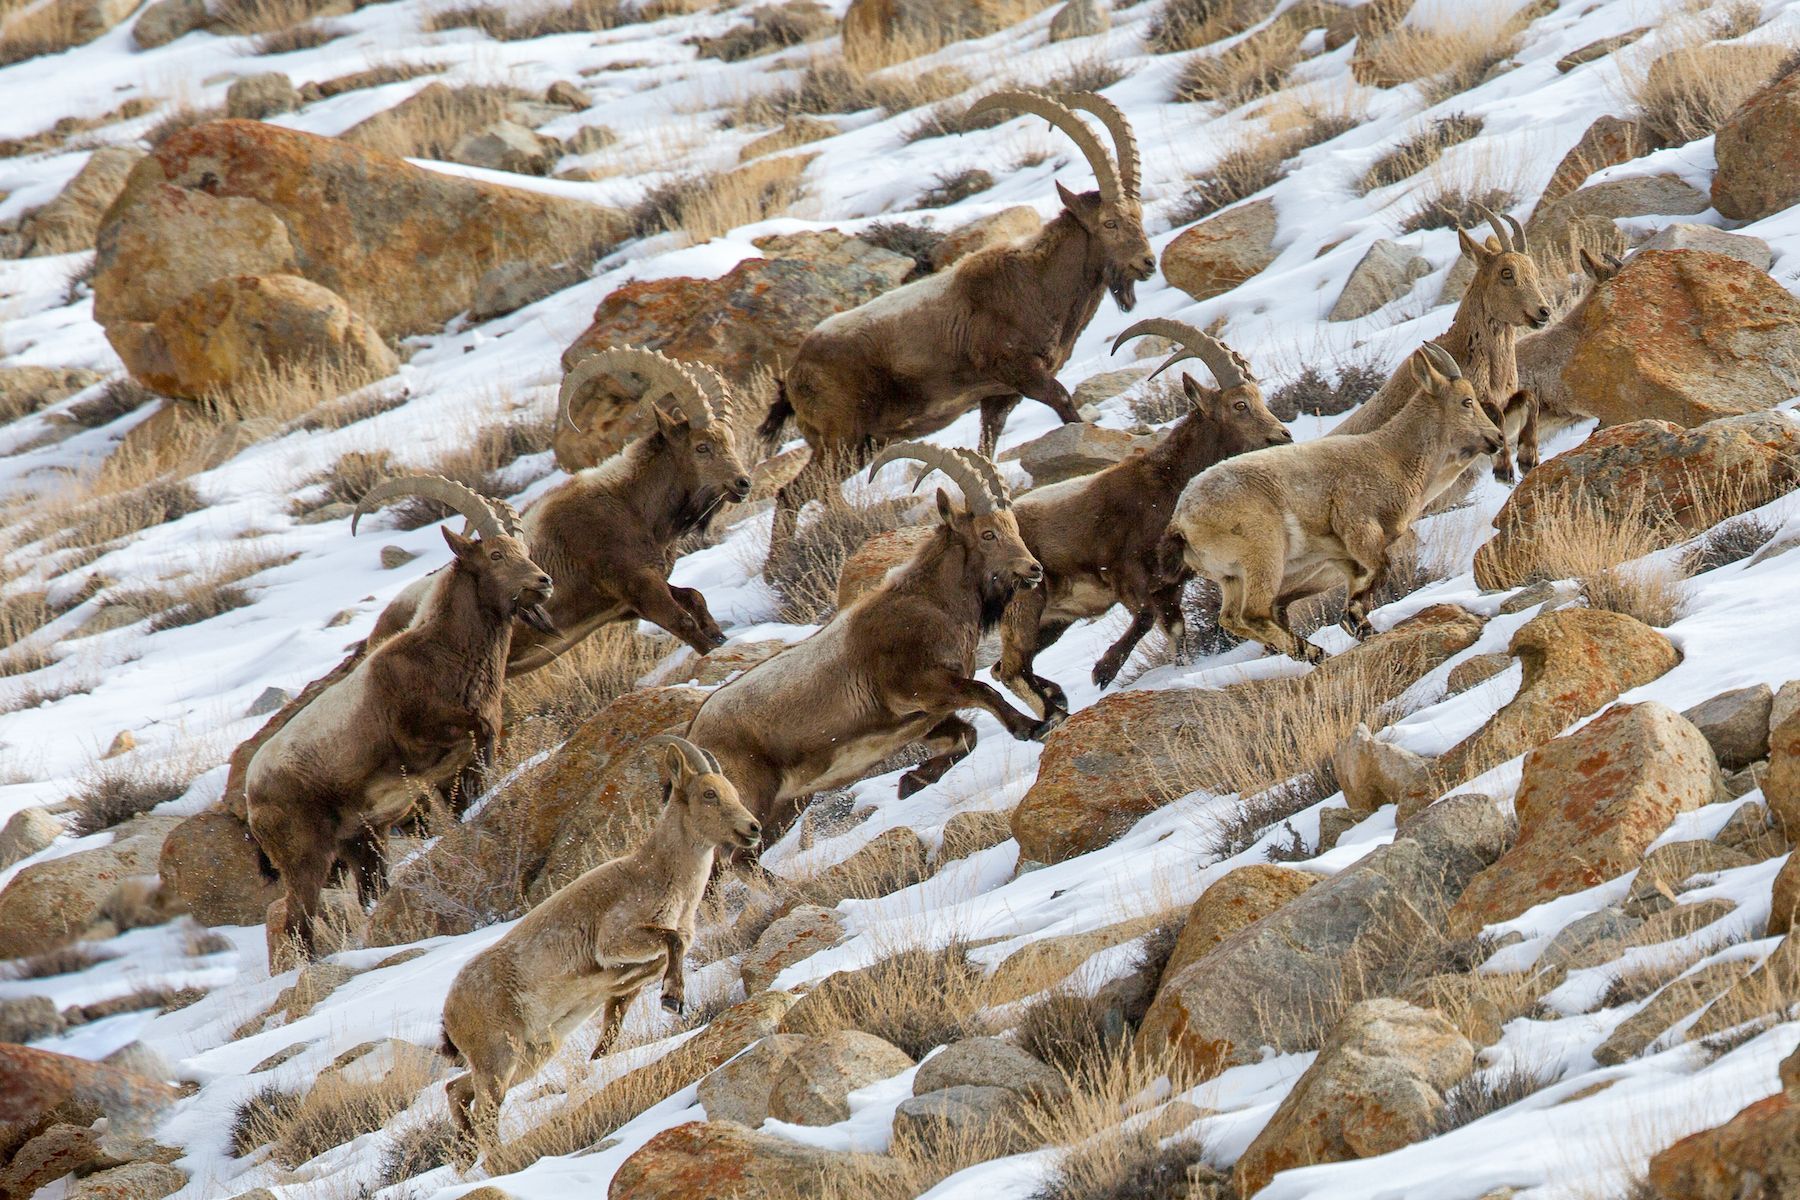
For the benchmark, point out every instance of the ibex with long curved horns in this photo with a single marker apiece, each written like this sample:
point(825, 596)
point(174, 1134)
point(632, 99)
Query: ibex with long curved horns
point(891, 669)
point(1097, 536)
point(997, 326)
point(407, 719)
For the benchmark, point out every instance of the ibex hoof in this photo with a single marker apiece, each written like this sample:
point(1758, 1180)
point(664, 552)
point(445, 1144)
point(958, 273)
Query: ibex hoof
point(672, 1004)
point(911, 782)
point(1044, 728)
point(1311, 653)
point(1105, 673)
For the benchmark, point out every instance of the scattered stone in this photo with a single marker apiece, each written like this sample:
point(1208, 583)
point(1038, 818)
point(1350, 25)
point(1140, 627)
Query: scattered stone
point(395, 557)
point(568, 95)
point(589, 139)
point(1026, 969)
point(1684, 235)
point(927, 1119)
point(1478, 669)
point(1585, 941)
point(508, 146)
point(1758, 153)
point(269, 700)
point(255, 97)
point(793, 938)
point(1377, 1085)
point(1386, 273)
point(124, 742)
point(47, 905)
point(1234, 901)
point(133, 1181)
point(691, 1160)
point(214, 864)
point(1079, 19)
point(969, 833)
point(1374, 773)
point(739, 1090)
point(987, 1062)
point(165, 20)
point(511, 286)
point(995, 229)
point(1222, 251)
point(28, 1018)
point(25, 833)
point(1736, 725)
point(1073, 450)
point(814, 1084)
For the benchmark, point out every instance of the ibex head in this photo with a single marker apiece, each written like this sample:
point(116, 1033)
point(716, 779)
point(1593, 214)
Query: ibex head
point(1506, 278)
point(1236, 406)
point(1465, 419)
point(983, 524)
point(714, 809)
point(1113, 216)
point(507, 580)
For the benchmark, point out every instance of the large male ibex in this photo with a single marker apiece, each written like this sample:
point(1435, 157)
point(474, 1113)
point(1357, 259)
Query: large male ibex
point(407, 719)
point(997, 326)
point(891, 669)
point(1097, 536)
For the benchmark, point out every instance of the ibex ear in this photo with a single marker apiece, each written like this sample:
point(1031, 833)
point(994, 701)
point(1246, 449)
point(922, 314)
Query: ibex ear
point(1424, 372)
point(1474, 249)
point(946, 507)
point(665, 424)
point(459, 545)
point(1200, 399)
point(676, 766)
point(1083, 207)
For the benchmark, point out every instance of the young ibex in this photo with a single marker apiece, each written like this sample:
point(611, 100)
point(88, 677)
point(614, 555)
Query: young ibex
point(607, 532)
point(595, 944)
point(1097, 536)
point(891, 669)
point(406, 720)
point(1542, 357)
point(997, 326)
point(1275, 526)
point(1505, 294)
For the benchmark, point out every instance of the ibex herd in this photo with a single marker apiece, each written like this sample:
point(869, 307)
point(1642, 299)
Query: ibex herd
point(1225, 494)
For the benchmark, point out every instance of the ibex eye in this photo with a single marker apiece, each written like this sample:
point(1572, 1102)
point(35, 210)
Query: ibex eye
point(987, 536)
point(711, 795)
point(703, 448)
point(495, 556)
point(1112, 224)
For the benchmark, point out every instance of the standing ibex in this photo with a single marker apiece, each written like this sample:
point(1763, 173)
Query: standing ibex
point(891, 669)
point(1097, 536)
point(596, 943)
point(997, 326)
point(1542, 357)
point(1504, 295)
point(1275, 526)
point(607, 532)
point(406, 720)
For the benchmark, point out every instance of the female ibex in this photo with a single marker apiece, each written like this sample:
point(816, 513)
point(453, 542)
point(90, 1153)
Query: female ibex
point(1275, 526)
point(997, 326)
point(407, 719)
point(595, 944)
point(1097, 536)
point(888, 671)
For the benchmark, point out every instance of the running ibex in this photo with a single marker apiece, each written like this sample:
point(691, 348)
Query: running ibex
point(1097, 536)
point(997, 326)
point(406, 720)
point(891, 669)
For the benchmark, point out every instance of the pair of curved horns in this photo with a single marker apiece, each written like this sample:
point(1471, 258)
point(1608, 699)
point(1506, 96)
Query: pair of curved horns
point(1440, 358)
point(489, 518)
point(1513, 241)
point(676, 380)
point(1117, 179)
point(982, 487)
point(1228, 367)
point(700, 762)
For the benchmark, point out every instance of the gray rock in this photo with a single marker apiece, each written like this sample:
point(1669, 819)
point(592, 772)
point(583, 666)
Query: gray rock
point(1748, 826)
point(1589, 940)
point(589, 139)
point(1080, 18)
point(140, 1059)
point(28, 831)
point(1070, 451)
point(799, 935)
point(989, 1063)
point(133, 1181)
point(166, 20)
point(1334, 823)
point(394, 557)
point(511, 286)
point(1736, 724)
point(1786, 704)
point(814, 1084)
point(1096, 389)
point(269, 700)
point(1593, 209)
point(257, 96)
point(567, 95)
point(1685, 235)
point(739, 1090)
point(922, 1120)
point(508, 146)
point(27, 1018)
point(1385, 273)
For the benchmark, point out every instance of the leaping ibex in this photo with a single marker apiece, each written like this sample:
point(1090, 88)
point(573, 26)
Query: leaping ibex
point(891, 669)
point(407, 719)
point(997, 326)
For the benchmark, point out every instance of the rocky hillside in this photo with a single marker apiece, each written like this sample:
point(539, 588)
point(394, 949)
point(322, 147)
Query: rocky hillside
point(1495, 902)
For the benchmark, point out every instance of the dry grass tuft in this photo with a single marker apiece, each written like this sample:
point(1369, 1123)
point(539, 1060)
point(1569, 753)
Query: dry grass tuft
point(1246, 70)
point(1093, 72)
point(1687, 92)
point(282, 392)
point(21, 615)
point(1111, 1145)
point(806, 573)
point(127, 494)
point(705, 206)
point(1446, 202)
point(65, 960)
point(592, 674)
point(258, 1117)
point(1259, 160)
point(250, 17)
point(335, 1110)
point(119, 397)
point(346, 481)
point(1485, 1092)
point(49, 28)
point(432, 122)
point(212, 591)
point(309, 36)
point(770, 27)
point(417, 1149)
point(1188, 24)
point(179, 117)
point(1420, 150)
point(952, 187)
point(64, 129)
point(116, 790)
point(831, 85)
point(916, 999)
point(1443, 62)
point(509, 24)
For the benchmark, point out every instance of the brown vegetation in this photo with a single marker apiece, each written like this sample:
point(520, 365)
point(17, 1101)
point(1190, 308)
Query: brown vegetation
point(1420, 150)
point(118, 789)
point(705, 206)
point(1253, 67)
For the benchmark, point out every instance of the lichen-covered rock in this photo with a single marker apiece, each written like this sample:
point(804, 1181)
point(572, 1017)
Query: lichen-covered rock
point(1755, 1154)
point(1685, 235)
point(815, 1081)
point(1585, 217)
point(50, 904)
point(1233, 902)
point(1781, 786)
point(133, 1181)
point(739, 1090)
point(798, 935)
point(1589, 805)
point(1386, 272)
point(38, 1082)
point(1378, 1084)
point(1784, 898)
point(1222, 251)
point(718, 1158)
point(870, 562)
point(1758, 152)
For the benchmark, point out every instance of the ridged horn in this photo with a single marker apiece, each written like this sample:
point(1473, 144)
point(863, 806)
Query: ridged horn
point(1228, 367)
point(1064, 119)
point(1518, 233)
point(1500, 231)
point(1125, 146)
point(982, 488)
point(1440, 358)
point(477, 509)
point(698, 761)
point(667, 378)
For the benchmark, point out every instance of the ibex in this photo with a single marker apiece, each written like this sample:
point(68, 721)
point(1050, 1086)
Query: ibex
point(1275, 526)
point(595, 944)
point(606, 533)
point(891, 669)
point(1504, 295)
point(1542, 357)
point(1097, 537)
point(997, 326)
point(406, 719)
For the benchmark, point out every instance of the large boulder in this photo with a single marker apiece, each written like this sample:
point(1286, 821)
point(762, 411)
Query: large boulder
point(1387, 272)
point(227, 330)
point(1233, 902)
point(214, 865)
point(402, 245)
point(719, 1158)
point(1378, 1084)
point(989, 1062)
point(1691, 477)
point(1684, 336)
point(1108, 765)
point(792, 938)
point(739, 1090)
point(1781, 786)
point(47, 905)
point(1685, 235)
point(25, 833)
point(71, 221)
point(752, 317)
point(1267, 984)
point(1589, 805)
point(1755, 1154)
point(1585, 217)
point(1758, 152)
point(39, 1082)
point(1608, 141)
point(1736, 724)
point(814, 1082)
point(1222, 251)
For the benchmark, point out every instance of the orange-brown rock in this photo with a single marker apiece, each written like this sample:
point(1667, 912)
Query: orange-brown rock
point(1112, 763)
point(211, 861)
point(1608, 141)
point(1222, 251)
point(1233, 902)
point(1758, 152)
point(38, 1082)
point(706, 1159)
point(1781, 786)
point(870, 562)
point(1784, 898)
point(158, 243)
point(1589, 805)
point(1755, 1154)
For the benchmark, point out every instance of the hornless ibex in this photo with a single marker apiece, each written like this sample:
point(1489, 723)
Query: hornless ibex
point(606, 533)
point(1097, 536)
point(891, 669)
point(1542, 357)
point(997, 326)
point(1504, 295)
point(1275, 526)
point(406, 720)
point(596, 943)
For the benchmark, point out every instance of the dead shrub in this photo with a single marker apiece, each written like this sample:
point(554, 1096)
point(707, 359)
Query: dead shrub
point(125, 496)
point(1094, 72)
point(257, 1118)
point(1485, 1092)
point(1260, 160)
point(916, 241)
point(705, 206)
point(249, 17)
point(1420, 150)
point(916, 999)
point(1689, 90)
point(1724, 544)
point(118, 398)
point(831, 85)
point(951, 187)
point(806, 573)
point(309, 36)
point(1254, 815)
point(952, 118)
point(200, 595)
point(376, 76)
point(345, 481)
point(416, 1149)
point(1126, 1163)
point(64, 960)
point(1450, 205)
point(932, 27)
point(1444, 62)
point(179, 117)
point(1187, 24)
point(115, 790)
point(281, 392)
point(348, 410)
point(590, 675)
point(770, 27)
point(1246, 70)
point(1310, 392)
point(510, 24)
